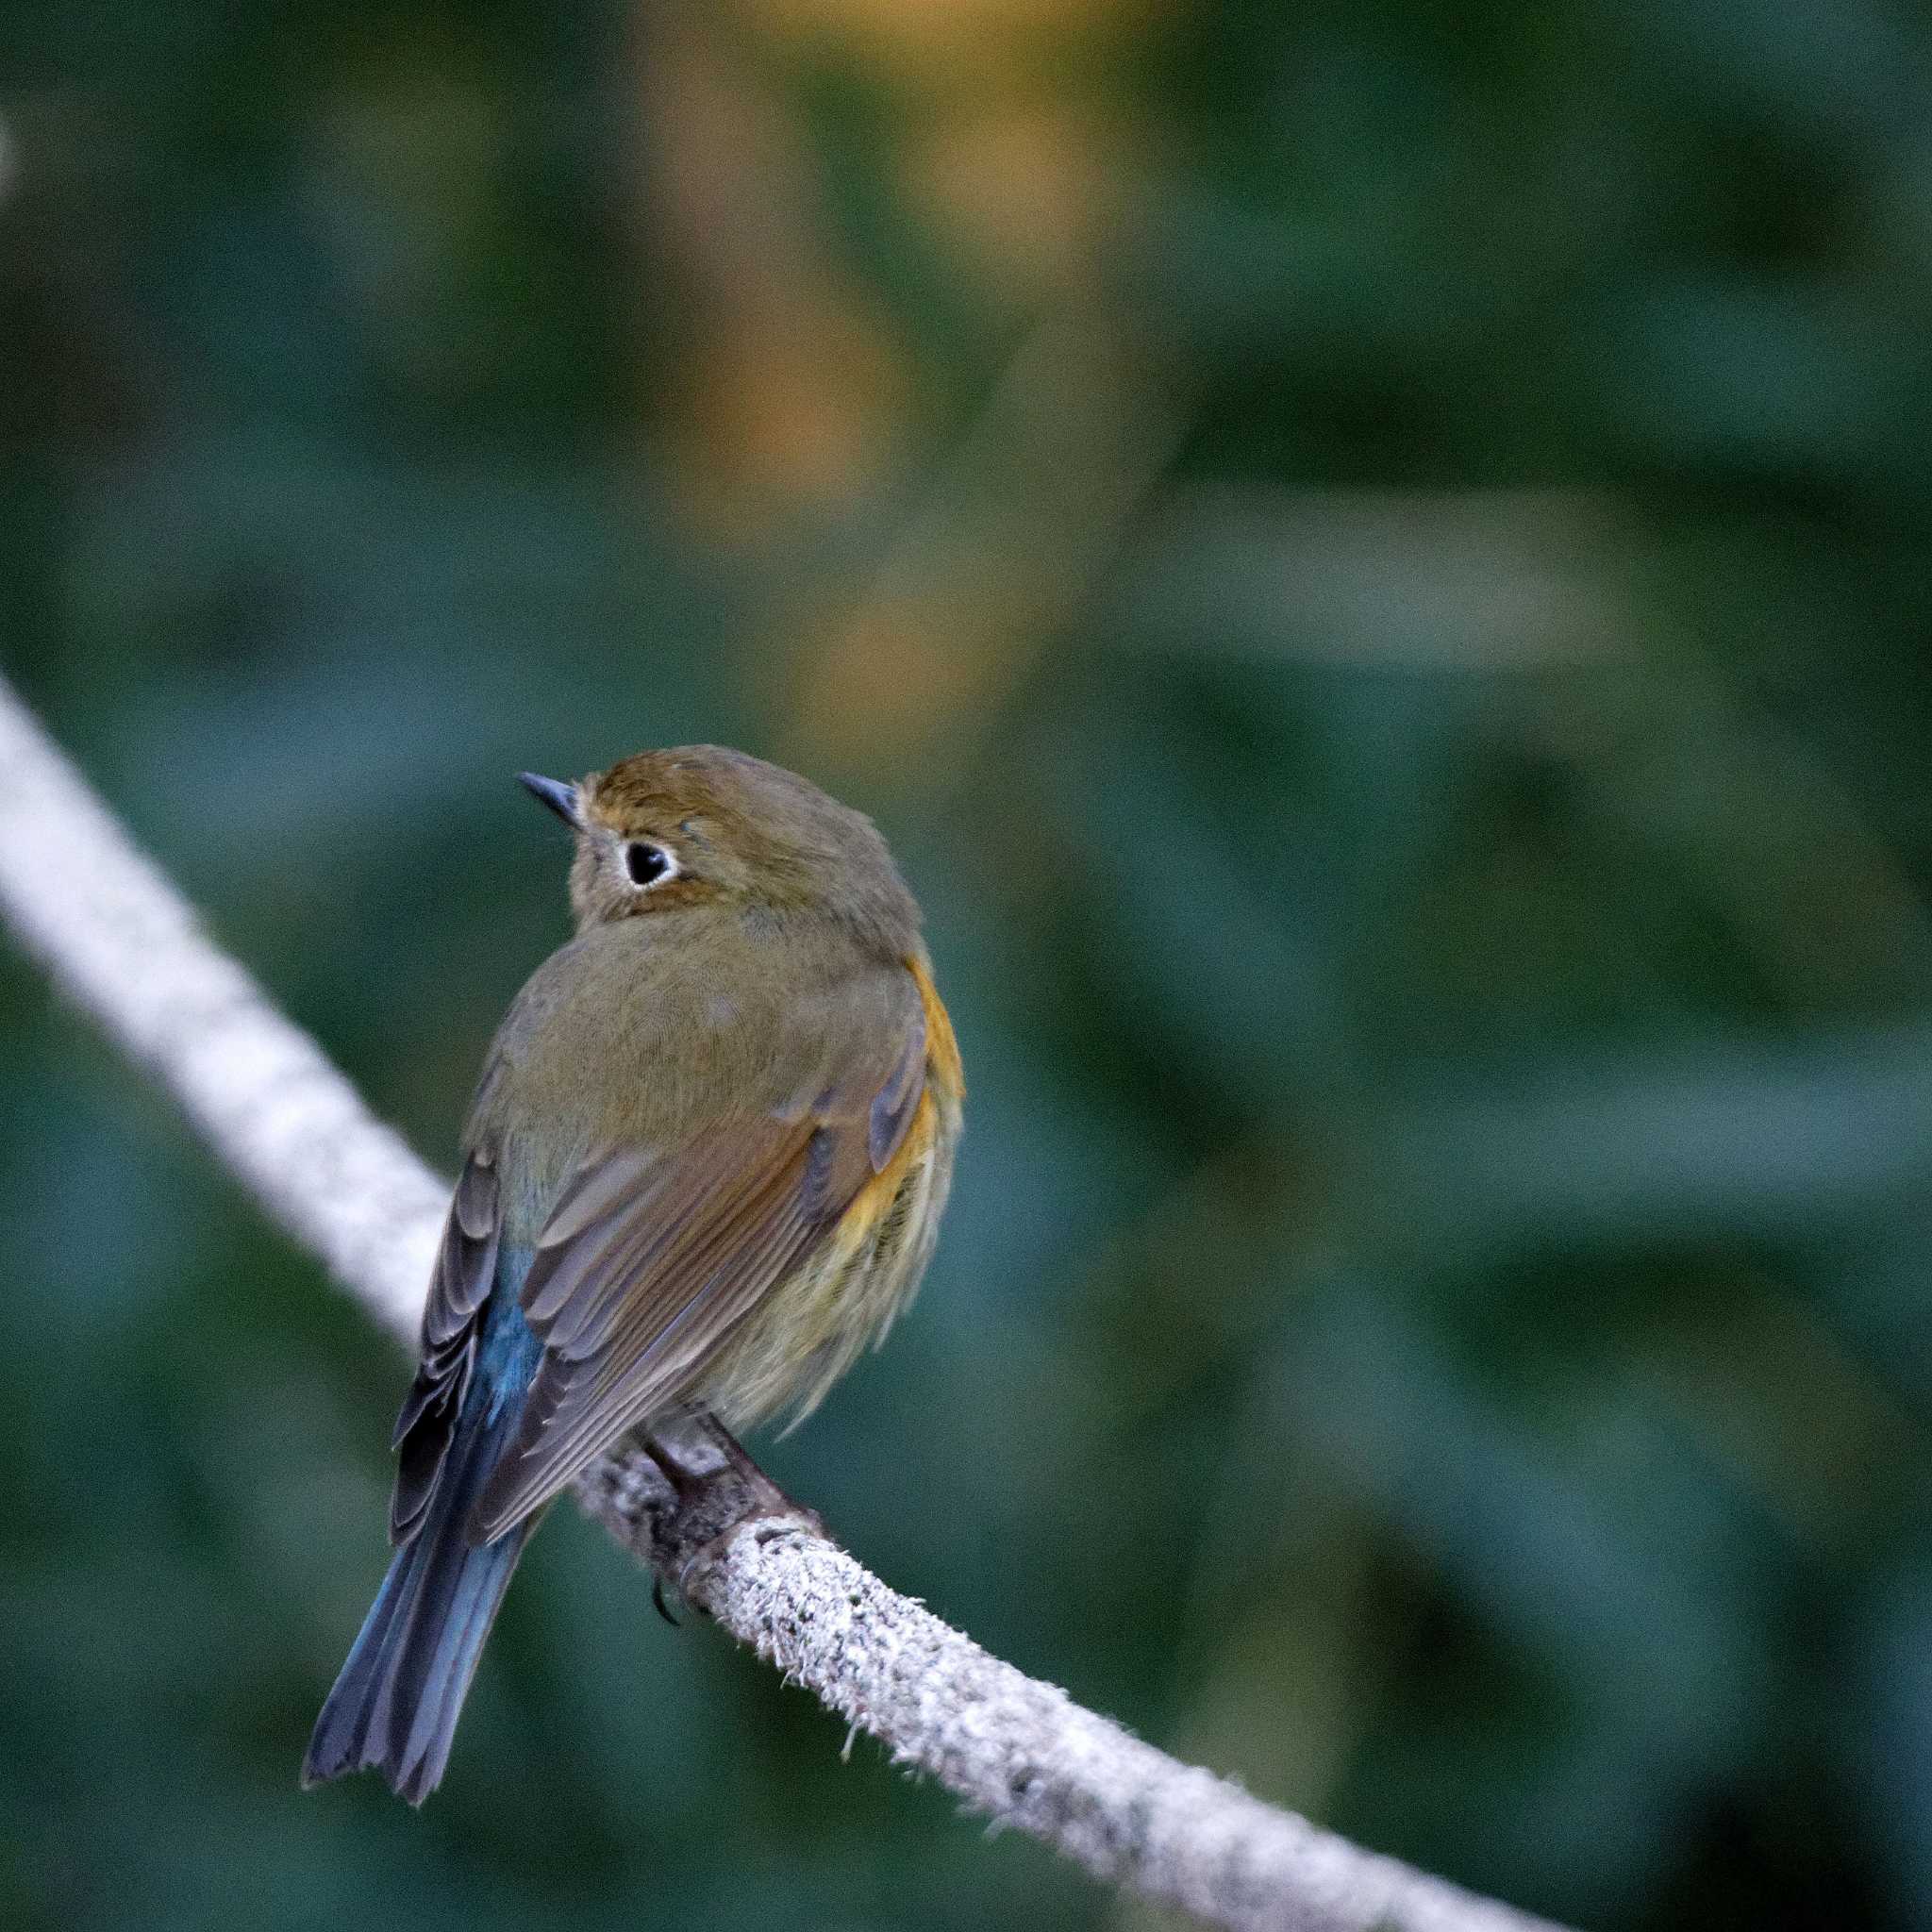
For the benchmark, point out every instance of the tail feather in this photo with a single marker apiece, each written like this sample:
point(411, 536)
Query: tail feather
point(395, 1705)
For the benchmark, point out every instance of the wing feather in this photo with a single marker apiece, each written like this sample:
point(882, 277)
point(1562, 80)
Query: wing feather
point(459, 1286)
point(653, 1257)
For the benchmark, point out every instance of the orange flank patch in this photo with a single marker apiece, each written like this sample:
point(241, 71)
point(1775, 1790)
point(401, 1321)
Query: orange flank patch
point(878, 1200)
point(943, 1069)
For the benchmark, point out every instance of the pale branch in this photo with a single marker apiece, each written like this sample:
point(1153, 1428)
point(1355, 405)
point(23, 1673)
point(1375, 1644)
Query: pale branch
point(118, 939)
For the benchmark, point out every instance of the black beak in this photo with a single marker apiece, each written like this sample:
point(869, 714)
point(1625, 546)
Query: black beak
point(560, 798)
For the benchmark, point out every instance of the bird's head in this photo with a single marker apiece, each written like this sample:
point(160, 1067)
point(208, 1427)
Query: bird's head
point(702, 826)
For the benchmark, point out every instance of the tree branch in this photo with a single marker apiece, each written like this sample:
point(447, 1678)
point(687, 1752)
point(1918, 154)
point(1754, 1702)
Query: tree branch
point(120, 942)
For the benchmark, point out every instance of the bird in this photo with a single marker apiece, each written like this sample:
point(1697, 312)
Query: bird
point(705, 1165)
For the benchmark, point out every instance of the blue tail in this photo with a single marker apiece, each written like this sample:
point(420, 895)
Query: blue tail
point(395, 1705)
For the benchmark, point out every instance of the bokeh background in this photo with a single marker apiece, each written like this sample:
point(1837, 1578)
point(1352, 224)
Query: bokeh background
point(1372, 561)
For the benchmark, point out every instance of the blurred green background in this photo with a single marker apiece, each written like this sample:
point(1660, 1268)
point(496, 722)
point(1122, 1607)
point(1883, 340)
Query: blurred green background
point(1371, 561)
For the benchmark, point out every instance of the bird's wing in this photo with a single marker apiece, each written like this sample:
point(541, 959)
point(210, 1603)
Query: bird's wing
point(459, 1286)
point(654, 1254)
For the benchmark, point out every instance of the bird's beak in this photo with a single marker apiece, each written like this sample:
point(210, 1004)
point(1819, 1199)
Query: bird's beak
point(560, 798)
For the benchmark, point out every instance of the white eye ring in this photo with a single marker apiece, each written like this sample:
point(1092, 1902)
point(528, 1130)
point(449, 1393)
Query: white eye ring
point(648, 864)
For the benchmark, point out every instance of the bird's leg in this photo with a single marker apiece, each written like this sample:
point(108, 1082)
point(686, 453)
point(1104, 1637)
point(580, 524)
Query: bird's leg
point(716, 1489)
point(773, 1500)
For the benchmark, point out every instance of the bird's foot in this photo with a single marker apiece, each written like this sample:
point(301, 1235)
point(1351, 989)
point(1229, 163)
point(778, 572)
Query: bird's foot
point(716, 1489)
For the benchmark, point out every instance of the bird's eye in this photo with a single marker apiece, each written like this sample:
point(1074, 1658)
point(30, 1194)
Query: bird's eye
point(648, 864)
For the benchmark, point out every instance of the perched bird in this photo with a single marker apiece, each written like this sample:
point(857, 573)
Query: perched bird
point(705, 1165)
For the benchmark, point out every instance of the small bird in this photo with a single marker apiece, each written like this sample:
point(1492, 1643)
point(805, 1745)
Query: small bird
point(705, 1164)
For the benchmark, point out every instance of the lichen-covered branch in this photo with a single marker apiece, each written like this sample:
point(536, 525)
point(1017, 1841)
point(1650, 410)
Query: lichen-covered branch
point(120, 941)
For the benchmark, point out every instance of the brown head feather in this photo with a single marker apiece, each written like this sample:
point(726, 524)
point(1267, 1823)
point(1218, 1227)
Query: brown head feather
point(737, 830)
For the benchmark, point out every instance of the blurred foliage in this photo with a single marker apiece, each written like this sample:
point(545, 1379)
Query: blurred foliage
point(1371, 561)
